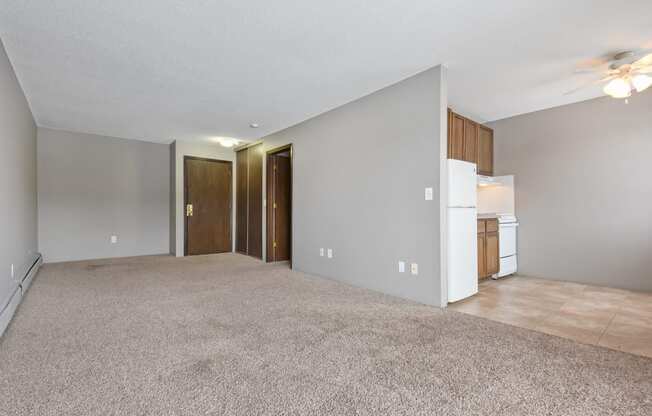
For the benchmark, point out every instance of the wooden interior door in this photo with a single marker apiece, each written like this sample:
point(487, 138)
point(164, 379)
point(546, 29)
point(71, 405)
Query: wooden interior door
point(249, 201)
point(279, 207)
point(241, 196)
point(255, 201)
point(207, 189)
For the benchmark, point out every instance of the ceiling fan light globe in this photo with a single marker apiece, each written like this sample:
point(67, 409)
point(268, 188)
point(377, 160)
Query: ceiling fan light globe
point(641, 82)
point(618, 88)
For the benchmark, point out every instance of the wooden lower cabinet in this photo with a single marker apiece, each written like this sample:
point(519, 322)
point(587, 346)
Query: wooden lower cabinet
point(488, 244)
point(482, 263)
point(492, 255)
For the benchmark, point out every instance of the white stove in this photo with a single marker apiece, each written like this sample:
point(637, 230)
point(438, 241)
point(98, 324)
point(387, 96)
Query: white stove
point(507, 247)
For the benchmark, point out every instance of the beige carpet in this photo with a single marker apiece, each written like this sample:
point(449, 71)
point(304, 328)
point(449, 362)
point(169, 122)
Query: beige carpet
point(227, 334)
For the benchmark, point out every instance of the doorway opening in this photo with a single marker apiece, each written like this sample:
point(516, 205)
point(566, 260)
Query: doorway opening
point(279, 204)
point(208, 199)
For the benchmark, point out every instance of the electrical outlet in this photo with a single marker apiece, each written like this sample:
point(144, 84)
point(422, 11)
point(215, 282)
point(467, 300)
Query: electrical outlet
point(414, 269)
point(330, 253)
point(401, 267)
point(321, 252)
point(114, 239)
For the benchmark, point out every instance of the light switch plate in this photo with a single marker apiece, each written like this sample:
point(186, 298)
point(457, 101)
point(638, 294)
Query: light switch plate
point(321, 252)
point(114, 239)
point(414, 269)
point(401, 267)
point(429, 194)
point(330, 253)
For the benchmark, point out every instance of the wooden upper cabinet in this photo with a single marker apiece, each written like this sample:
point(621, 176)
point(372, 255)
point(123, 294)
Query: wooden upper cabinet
point(471, 142)
point(456, 137)
point(485, 151)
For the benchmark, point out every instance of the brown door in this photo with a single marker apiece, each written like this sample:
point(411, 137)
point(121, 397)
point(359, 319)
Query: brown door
point(249, 201)
point(207, 186)
point(485, 151)
point(470, 141)
point(279, 206)
point(255, 198)
point(241, 196)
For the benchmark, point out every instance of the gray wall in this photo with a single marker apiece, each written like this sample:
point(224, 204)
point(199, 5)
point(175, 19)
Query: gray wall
point(359, 176)
point(583, 190)
point(18, 220)
point(92, 187)
point(197, 149)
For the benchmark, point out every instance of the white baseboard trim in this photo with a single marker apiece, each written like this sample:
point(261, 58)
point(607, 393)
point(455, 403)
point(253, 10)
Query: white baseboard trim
point(31, 273)
point(10, 308)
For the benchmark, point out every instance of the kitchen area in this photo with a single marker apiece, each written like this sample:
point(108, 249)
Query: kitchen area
point(482, 225)
point(483, 278)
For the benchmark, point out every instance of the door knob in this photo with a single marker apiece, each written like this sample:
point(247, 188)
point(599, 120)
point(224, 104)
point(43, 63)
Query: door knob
point(189, 210)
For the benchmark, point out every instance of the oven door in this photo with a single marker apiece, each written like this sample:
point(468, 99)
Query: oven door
point(507, 242)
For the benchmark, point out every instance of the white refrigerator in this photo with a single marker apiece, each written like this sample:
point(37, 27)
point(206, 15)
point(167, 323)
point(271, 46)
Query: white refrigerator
point(462, 230)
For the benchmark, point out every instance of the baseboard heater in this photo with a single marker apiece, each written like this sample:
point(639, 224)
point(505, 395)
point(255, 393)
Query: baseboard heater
point(8, 310)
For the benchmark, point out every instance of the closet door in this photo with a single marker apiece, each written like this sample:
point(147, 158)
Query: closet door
point(241, 197)
point(249, 201)
point(255, 198)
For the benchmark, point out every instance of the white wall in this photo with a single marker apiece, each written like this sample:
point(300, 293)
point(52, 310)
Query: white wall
point(583, 190)
point(210, 151)
point(18, 218)
point(91, 187)
point(497, 198)
point(359, 176)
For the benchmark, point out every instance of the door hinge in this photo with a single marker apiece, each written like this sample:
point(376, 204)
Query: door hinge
point(189, 210)
point(274, 205)
point(274, 245)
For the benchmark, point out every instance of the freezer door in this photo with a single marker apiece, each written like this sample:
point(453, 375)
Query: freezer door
point(462, 184)
point(462, 253)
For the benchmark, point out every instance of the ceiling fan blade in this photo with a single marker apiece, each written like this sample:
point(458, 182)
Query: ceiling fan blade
point(647, 70)
point(643, 62)
point(589, 84)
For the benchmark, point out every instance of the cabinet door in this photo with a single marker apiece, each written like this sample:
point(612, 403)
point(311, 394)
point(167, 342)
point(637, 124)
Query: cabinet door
point(485, 151)
point(482, 260)
point(470, 142)
point(456, 137)
point(492, 253)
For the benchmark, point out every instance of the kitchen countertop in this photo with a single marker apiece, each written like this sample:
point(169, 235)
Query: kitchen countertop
point(487, 216)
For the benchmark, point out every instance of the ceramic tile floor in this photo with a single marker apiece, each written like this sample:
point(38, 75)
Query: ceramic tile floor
point(612, 318)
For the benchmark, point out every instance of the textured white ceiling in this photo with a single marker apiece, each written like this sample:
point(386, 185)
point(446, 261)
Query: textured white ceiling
point(179, 69)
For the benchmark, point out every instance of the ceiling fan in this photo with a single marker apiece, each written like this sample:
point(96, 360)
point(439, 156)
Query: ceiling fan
point(622, 73)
